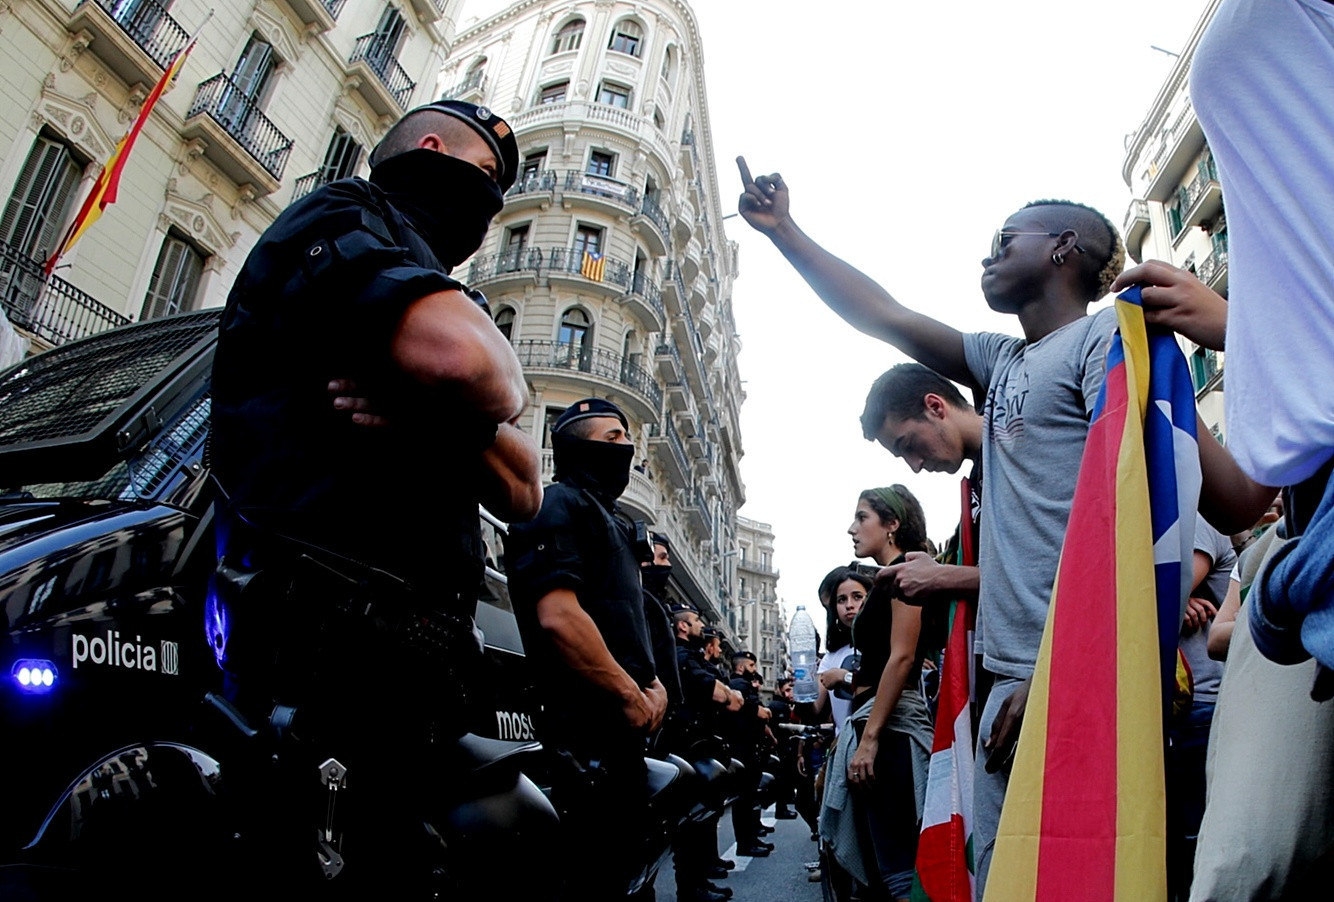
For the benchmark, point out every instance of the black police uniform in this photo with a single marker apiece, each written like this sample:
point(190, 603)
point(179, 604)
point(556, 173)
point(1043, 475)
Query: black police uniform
point(747, 738)
point(577, 542)
point(351, 556)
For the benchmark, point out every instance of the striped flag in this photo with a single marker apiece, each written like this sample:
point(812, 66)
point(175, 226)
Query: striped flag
point(593, 266)
point(945, 848)
point(105, 188)
point(1084, 815)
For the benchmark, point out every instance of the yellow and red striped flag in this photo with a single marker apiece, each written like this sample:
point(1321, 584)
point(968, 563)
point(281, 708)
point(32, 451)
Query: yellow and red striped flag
point(593, 266)
point(1085, 815)
point(104, 190)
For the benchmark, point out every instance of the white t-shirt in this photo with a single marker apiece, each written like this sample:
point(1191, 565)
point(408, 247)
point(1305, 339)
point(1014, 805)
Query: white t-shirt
point(838, 706)
point(1260, 83)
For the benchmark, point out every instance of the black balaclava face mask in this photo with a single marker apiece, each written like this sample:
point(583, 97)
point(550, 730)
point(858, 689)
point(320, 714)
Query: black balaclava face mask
point(450, 201)
point(601, 467)
point(654, 577)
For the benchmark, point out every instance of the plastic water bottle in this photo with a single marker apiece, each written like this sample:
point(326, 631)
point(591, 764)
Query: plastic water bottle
point(803, 646)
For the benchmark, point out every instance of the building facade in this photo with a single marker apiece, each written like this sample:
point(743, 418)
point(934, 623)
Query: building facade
point(756, 619)
point(275, 97)
point(608, 268)
point(1177, 214)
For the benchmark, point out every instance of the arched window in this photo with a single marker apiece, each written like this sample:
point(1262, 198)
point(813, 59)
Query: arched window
point(570, 36)
point(575, 338)
point(627, 37)
point(505, 322)
point(669, 67)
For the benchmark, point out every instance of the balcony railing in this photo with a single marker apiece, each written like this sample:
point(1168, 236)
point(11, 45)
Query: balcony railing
point(641, 285)
point(543, 181)
point(1212, 265)
point(556, 355)
point(48, 306)
point(601, 186)
point(242, 119)
point(519, 259)
point(474, 81)
point(334, 6)
point(653, 210)
point(149, 25)
point(573, 260)
point(375, 52)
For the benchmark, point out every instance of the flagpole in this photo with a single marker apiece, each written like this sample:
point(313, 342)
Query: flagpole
point(107, 180)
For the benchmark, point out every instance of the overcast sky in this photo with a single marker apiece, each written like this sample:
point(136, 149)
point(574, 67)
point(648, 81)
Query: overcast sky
point(907, 133)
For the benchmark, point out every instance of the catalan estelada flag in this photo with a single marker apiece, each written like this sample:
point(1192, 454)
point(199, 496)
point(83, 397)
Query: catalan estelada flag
point(945, 864)
point(593, 266)
point(1084, 815)
point(104, 190)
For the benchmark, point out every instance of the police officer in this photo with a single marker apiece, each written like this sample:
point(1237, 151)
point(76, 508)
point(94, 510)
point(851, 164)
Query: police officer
point(748, 735)
point(348, 528)
point(574, 578)
point(695, 849)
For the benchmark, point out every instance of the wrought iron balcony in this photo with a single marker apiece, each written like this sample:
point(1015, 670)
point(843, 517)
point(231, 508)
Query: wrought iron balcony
point(240, 118)
point(601, 186)
point(137, 41)
point(473, 81)
point(308, 183)
point(653, 211)
point(556, 355)
point(1213, 267)
point(317, 15)
point(48, 306)
point(377, 55)
point(514, 260)
point(541, 182)
point(646, 289)
point(607, 270)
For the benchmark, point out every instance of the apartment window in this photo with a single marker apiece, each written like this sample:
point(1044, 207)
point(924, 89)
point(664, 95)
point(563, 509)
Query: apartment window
point(658, 121)
point(575, 338)
point(554, 93)
point(570, 36)
point(175, 279)
point(532, 165)
point(516, 240)
point(669, 66)
point(549, 423)
point(341, 159)
point(139, 18)
point(505, 322)
point(250, 77)
point(615, 95)
point(627, 37)
point(389, 34)
point(42, 199)
point(601, 163)
point(587, 239)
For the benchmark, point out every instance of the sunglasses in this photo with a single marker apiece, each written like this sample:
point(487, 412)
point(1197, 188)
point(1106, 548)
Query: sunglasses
point(998, 240)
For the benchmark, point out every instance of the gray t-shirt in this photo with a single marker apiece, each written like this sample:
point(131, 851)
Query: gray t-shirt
point(1036, 419)
point(1205, 671)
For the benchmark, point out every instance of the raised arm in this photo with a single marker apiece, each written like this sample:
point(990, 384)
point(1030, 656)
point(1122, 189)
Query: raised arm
point(858, 299)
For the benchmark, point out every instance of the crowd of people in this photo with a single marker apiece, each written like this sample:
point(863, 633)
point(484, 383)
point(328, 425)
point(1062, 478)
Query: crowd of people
point(346, 350)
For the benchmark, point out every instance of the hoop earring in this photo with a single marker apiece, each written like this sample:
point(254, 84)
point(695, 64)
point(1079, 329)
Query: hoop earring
point(1058, 259)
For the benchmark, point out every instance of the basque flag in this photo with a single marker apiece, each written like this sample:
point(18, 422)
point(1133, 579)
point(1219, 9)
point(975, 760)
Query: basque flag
point(1084, 815)
point(944, 864)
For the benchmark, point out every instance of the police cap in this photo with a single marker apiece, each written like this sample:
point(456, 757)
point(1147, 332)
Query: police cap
point(589, 407)
point(495, 131)
point(711, 632)
point(748, 655)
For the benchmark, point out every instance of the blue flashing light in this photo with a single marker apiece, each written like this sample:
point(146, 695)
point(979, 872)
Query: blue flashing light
point(34, 675)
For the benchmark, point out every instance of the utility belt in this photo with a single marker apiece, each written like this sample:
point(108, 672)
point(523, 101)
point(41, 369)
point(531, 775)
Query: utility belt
point(315, 629)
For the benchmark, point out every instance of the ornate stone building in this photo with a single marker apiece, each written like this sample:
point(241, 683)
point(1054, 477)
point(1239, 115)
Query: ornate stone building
point(1177, 212)
point(757, 617)
point(608, 268)
point(276, 97)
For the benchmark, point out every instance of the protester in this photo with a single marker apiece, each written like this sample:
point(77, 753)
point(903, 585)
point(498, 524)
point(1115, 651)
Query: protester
point(1047, 263)
point(836, 669)
point(321, 498)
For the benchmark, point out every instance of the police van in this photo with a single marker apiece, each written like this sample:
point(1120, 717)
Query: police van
point(105, 551)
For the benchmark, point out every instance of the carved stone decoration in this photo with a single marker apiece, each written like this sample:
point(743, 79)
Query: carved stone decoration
point(194, 149)
point(346, 117)
point(75, 120)
point(622, 68)
point(277, 30)
point(196, 220)
point(76, 48)
point(245, 195)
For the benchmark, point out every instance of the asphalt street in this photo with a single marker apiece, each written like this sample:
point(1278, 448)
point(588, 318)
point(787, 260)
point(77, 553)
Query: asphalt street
point(781, 876)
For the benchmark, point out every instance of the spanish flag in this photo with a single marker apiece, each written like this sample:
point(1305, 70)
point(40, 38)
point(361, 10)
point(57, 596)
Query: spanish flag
point(593, 266)
point(108, 181)
point(1084, 815)
point(945, 863)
